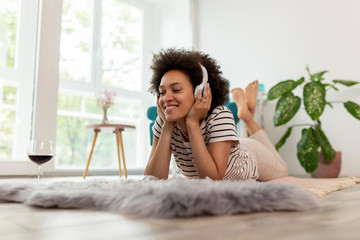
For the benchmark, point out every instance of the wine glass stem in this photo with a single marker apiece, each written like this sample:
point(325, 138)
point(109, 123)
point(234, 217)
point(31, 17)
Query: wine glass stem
point(39, 170)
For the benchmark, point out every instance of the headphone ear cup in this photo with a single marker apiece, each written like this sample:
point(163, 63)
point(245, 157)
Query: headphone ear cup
point(199, 88)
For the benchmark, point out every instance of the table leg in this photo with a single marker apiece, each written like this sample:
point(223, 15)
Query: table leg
point(122, 152)
point(118, 151)
point(91, 152)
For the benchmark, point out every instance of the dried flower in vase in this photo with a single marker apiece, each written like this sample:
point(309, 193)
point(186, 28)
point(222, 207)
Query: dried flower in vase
point(105, 100)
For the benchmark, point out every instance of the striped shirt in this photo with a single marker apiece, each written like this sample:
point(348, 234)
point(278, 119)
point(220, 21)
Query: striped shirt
point(218, 127)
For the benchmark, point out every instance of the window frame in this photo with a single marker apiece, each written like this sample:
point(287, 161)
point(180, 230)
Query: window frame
point(95, 84)
point(22, 75)
point(46, 44)
point(47, 86)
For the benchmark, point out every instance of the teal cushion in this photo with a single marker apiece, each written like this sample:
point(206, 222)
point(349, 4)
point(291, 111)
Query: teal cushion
point(152, 113)
point(233, 109)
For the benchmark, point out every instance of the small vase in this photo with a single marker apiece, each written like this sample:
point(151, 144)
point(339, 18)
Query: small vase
point(105, 120)
point(328, 170)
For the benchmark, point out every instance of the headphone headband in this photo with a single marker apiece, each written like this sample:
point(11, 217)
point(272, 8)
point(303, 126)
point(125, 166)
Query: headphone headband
point(204, 80)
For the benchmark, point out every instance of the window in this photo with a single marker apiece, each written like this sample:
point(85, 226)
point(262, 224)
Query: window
point(103, 45)
point(7, 118)
point(17, 66)
point(101, 48)
point(9, 22)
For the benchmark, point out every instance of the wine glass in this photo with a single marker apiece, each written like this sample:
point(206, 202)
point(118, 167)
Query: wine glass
point(40, 152)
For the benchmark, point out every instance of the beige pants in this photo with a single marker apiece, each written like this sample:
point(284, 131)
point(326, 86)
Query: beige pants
point(269, 162)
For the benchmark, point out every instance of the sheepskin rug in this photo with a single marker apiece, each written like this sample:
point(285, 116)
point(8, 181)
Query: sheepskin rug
point(177, 197)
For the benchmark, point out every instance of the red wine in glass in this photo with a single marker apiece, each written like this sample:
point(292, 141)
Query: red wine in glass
point(40, 152)
point(40, 159)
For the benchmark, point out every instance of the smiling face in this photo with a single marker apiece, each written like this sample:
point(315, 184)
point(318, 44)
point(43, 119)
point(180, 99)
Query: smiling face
point(176, 95)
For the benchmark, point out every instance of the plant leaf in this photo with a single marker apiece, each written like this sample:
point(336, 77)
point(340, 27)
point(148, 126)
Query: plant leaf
point(281, 88)
point(307, 152)
point(300, 80)
point(308, 70)
point(347, 83)
point(283, 138)
point(353, 108)
point(286, 108)
point(328, 103)
point(318, 75)
point(314, 99)
point(312, 78)
point(335, 88)
point(324, 143)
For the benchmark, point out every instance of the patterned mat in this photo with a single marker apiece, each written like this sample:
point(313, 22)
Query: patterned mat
point(321, 186)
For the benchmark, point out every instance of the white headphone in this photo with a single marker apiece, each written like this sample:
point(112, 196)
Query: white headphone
point(203, 83)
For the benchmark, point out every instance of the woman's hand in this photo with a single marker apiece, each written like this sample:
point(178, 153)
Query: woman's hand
point(160, 111)
point(209, 160)
point(161, 114)
point(201, 106)
point(159, 160)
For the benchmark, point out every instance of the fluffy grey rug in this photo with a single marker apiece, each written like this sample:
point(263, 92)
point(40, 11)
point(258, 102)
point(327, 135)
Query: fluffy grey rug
point(176, 197)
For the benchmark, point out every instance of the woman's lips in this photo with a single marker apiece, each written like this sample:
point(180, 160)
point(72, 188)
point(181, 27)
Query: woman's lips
point(170, 108)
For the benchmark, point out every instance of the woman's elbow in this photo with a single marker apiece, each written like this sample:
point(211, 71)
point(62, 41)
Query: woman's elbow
point(151, 174)
point(213, 177)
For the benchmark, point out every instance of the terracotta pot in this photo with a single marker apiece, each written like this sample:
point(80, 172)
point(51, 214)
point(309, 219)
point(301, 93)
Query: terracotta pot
point(328, 170)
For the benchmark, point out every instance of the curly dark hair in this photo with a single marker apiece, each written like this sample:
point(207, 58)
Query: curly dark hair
point(188, 61)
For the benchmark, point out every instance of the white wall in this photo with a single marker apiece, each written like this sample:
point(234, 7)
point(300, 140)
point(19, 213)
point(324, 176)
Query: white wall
point(171, 21)
point(176, 24)
point(275, 40)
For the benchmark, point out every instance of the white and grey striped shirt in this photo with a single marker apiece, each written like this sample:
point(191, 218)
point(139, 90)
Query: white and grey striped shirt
point(218, 127)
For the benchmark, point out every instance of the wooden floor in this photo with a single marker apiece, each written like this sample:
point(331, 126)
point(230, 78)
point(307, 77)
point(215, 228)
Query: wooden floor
point(338, 218)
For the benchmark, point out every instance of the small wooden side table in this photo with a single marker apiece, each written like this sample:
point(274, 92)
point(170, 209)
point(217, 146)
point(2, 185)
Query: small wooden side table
point(116, 129)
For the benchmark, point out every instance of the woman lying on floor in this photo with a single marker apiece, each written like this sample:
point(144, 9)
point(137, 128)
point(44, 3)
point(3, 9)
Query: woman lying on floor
point(199, 130)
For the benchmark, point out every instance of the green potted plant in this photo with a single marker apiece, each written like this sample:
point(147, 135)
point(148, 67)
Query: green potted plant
point(314, 100)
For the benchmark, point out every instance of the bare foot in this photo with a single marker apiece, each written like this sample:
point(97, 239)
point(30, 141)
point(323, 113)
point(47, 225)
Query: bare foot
point(241, 104)
point(251, 95)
